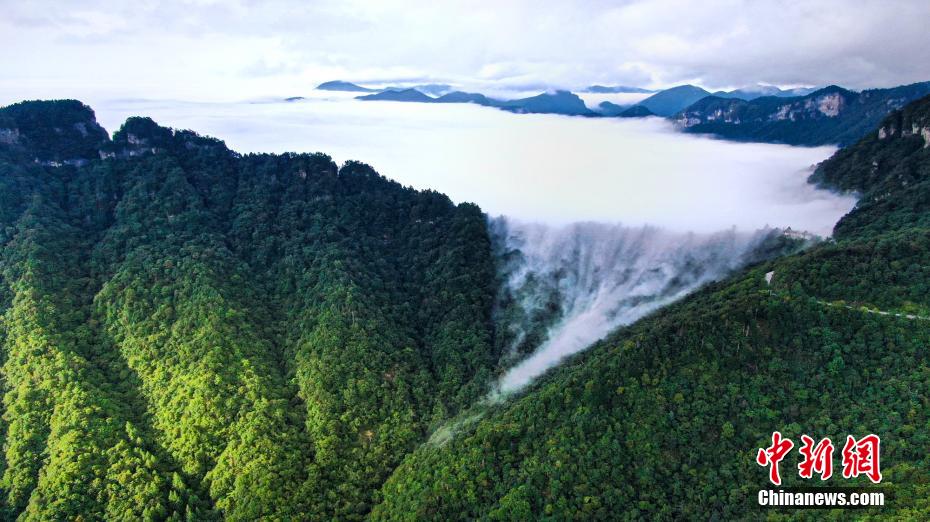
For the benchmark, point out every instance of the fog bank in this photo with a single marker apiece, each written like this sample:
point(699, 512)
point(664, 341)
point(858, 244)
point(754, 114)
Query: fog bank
point(607, 219)
point(547, 168)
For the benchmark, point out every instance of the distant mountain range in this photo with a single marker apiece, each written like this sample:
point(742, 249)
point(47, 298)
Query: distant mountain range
point(758, 91)
point(405, 95)
point(671, 101)
point(761, 113)
point(607, 108)
point(559, 102)
point(636, 111)
point(434, 89)
point(601, 89)
point(832, 115)
point(339, 85)
point(464, 97)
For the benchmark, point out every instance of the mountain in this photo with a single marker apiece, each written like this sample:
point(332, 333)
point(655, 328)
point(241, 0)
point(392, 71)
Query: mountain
point(636, 111)
point(670, 101)
point(406, 95)
point(338, 85)
point(890, 166)
point(797, 91)
point(559, 102)
point(432, 89)
point(831, 115)
point(609, 109)
point(606, 108)
point(189, 333)
point(64, 131)
point(758, 91)
point(601, 89)
point(192, 334)
point(662, 419)
point(465, 97)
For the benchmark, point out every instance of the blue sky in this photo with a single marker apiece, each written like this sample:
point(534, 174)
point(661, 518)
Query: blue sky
point(241, 49)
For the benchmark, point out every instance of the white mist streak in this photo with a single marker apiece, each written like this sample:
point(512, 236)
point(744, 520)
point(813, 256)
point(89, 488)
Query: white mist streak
point(604, 277)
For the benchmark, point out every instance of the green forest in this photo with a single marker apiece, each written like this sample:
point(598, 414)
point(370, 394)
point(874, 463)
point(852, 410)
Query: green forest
point(189, 333)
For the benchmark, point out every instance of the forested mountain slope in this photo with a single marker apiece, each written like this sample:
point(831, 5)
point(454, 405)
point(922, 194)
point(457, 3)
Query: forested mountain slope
point(662, 419)
point(193, 334)
point(831, 115)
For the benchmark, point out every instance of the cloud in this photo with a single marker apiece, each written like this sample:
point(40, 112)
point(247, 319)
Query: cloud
point(532, 167)
point(581, 196)
point(721, 43)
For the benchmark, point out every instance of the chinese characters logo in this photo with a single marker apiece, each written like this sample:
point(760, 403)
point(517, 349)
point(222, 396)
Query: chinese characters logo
point(860, 457)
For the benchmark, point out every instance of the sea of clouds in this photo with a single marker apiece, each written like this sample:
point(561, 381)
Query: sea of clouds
point(602, 219)
point(547, 168)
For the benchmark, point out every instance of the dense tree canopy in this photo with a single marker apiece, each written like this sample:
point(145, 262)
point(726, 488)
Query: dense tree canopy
point(662, 419)
point(192, 334)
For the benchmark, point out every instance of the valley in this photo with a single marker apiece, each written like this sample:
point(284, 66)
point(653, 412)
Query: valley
point(319, 320)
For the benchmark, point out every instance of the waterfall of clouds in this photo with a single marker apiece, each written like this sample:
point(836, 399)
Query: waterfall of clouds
point(566, 287)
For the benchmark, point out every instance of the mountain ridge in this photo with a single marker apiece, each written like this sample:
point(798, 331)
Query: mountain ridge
point(206, 335)
point(661, 419)
point(339, 85)
point(831, 115)
point(670, 101)
point(191, 333)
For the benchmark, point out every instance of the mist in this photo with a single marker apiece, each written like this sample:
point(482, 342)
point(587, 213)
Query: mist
point(569, 286)
point(592, 100)
point(601, 220)
point(547, 168)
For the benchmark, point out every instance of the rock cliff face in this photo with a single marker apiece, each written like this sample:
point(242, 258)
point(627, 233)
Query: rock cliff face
point(889, 167)
point(915, 121)
point(66, 132)
point(52, 133)
point(831, 115)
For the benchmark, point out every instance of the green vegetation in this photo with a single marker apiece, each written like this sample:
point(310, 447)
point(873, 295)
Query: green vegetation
point(54, 131)
point(191, 334)
point(662, 419)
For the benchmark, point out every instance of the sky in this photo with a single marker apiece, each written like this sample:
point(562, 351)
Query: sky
point(243, 49)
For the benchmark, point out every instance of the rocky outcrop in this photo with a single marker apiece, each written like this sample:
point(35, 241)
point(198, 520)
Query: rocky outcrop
point(141, 136)
point(904, 124)
point(58, 132)
point(66, 133)
point(831, 115)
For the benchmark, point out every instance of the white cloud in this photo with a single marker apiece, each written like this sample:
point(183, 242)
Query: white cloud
point(229, 50)
point(529, 166)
